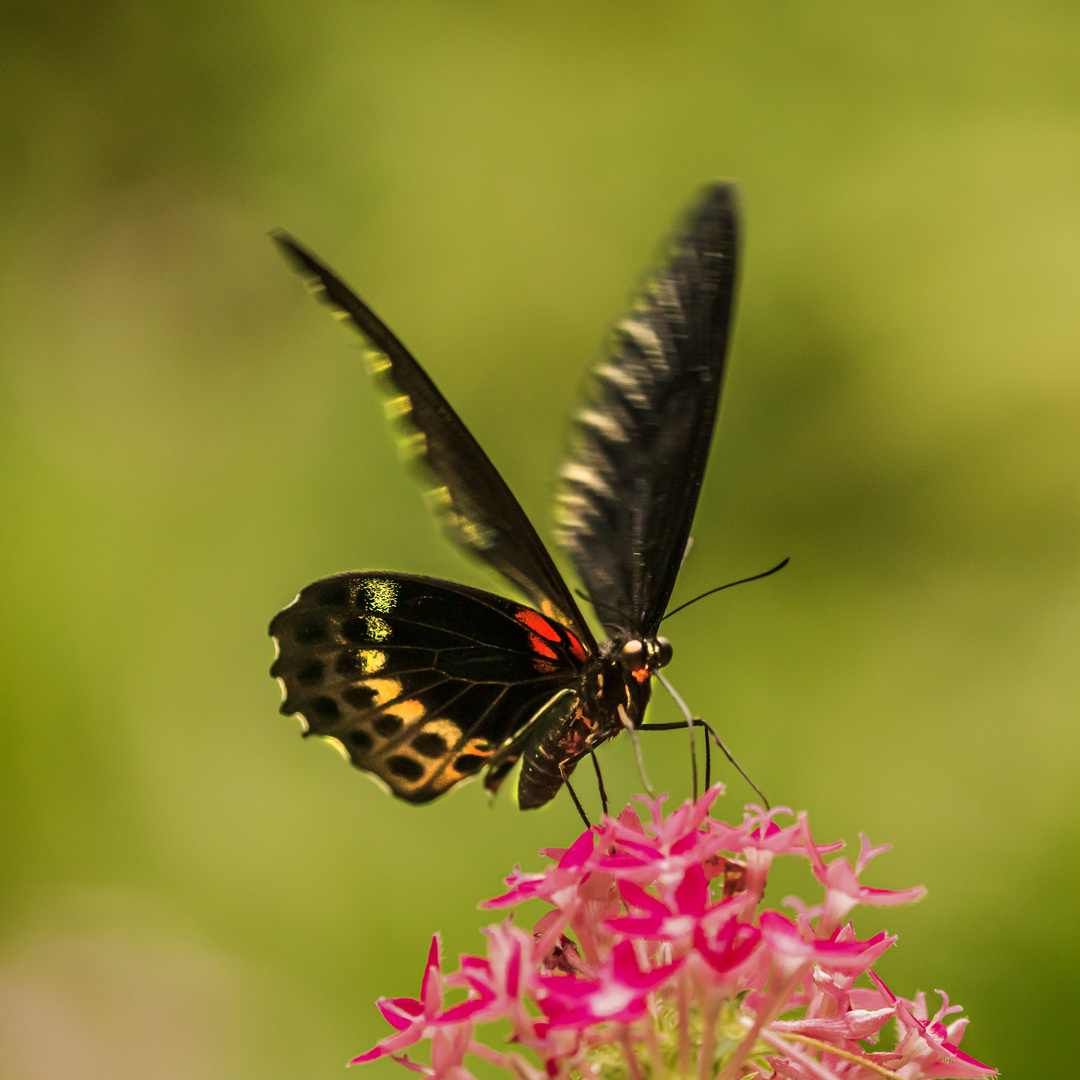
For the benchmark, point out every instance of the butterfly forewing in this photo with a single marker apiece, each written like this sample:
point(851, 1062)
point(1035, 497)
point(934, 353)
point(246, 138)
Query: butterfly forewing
point(473, 501)
point(421, 681)
point(640, 443)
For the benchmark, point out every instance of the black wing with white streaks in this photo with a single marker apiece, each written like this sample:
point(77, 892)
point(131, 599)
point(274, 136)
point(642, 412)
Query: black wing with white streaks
point(639, 445)
point(422, 682)
point(476, 507)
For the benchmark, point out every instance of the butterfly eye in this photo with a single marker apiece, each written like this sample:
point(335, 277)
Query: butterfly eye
point(666, 651)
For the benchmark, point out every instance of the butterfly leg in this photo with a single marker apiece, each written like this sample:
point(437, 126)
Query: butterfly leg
point(632, 731)
point(599, 781)
point(691, 723)
point(693, 759)
point(696, 721)
point(738, 768)
point(573, 795)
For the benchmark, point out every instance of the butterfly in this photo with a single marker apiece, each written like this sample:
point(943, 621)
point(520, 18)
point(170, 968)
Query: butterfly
point(424, 682)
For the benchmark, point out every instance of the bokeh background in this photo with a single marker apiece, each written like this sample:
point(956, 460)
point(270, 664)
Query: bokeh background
point(189, 891)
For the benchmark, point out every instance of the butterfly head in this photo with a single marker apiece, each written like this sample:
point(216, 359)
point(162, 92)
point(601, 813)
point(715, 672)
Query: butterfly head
point(641, 658)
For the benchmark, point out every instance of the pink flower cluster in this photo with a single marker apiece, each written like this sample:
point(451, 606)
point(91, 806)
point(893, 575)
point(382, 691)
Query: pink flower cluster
point(655, 960)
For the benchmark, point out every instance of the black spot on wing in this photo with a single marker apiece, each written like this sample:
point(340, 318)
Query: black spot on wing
point(361, 696)
point(429, 744)
point(311, 672)
point(333, 592)
point(387, 725)
point(313, 628)
point(406, 768)
point(359, 740)
point(325, 708)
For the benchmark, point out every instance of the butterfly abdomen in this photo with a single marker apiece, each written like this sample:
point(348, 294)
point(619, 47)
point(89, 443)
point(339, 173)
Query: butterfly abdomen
point(560, 743)
point(611, 697)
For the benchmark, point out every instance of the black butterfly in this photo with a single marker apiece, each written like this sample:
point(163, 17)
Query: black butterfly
point(422, 681)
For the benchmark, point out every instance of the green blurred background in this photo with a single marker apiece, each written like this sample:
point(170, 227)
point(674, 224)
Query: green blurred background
point(186, 889)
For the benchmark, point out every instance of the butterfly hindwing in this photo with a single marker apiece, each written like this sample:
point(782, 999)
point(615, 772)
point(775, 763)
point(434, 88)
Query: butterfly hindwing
point(640, 443)
point(473, 501)
point(420, 681)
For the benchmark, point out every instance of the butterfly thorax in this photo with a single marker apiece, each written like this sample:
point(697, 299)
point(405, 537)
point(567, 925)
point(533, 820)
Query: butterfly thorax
point(619, 685)
point(616, 689)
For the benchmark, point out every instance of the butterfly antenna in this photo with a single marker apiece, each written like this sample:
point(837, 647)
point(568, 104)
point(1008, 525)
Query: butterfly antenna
point(729, 585)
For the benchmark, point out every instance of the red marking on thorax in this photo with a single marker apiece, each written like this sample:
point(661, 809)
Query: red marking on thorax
point(538, 624)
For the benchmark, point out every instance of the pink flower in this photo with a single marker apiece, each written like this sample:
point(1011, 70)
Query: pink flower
point(618, 992)
point(793, 948)
point(558, 884)
point(688, 909)
point(726, 952)
point(419, 1019)
point(927, 1044)
point(655, 957)
point(842, 889)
